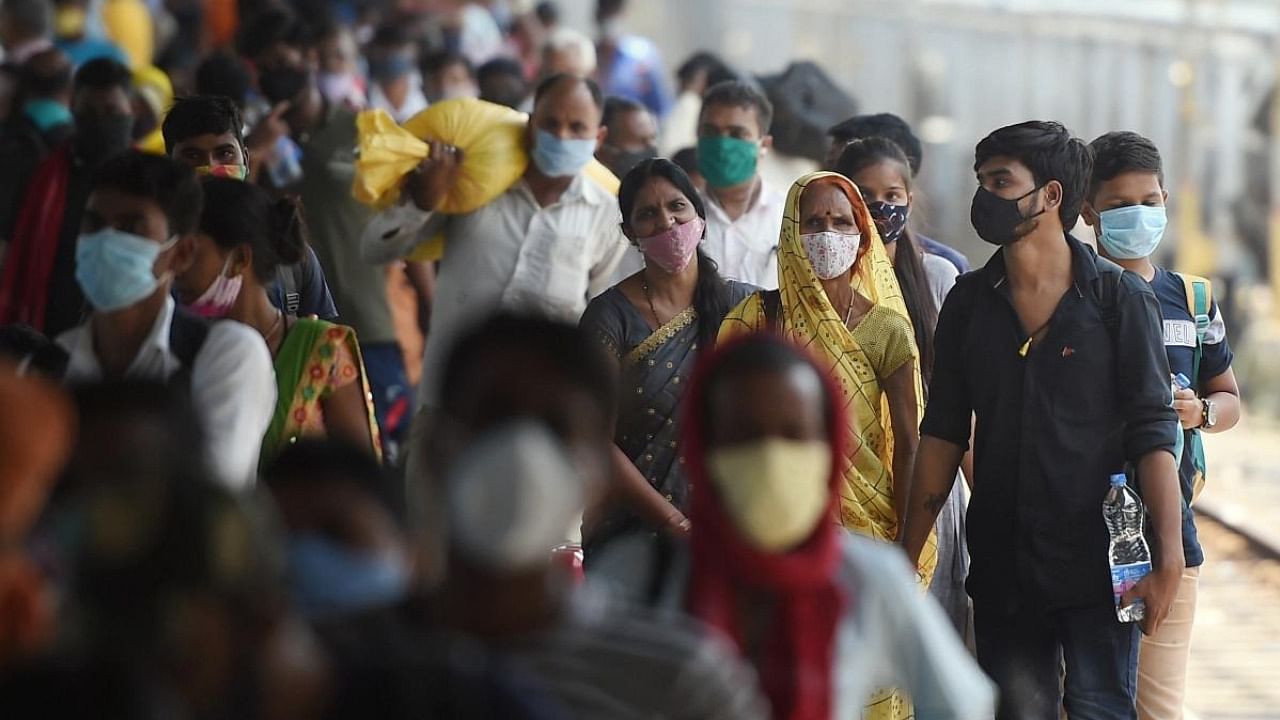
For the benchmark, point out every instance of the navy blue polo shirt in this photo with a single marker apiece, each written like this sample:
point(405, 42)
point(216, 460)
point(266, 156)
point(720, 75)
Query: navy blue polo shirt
point(1179, 346)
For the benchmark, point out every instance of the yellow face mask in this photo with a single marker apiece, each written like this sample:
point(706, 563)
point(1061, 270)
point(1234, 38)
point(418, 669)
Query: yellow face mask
point(775, 491)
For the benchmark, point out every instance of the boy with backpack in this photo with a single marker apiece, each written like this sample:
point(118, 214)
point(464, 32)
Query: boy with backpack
point(1058, 354)
point(137, 235)
point(1126, 206)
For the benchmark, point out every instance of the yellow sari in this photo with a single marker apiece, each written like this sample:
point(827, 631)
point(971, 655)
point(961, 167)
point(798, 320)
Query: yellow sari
point(809, 319)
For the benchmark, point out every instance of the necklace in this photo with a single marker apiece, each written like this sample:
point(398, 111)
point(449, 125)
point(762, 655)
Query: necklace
point(275, 327)
point(848, 313)
point(644, 285)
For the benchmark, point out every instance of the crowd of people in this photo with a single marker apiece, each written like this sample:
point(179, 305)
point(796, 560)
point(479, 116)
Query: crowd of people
point(649, 438)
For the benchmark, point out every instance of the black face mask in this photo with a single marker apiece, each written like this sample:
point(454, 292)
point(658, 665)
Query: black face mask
point(282, 84)
point(98, 137)
point(623, 160)
point(995, 218)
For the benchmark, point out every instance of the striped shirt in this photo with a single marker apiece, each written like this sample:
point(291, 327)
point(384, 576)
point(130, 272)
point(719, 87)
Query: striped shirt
point(603, 662)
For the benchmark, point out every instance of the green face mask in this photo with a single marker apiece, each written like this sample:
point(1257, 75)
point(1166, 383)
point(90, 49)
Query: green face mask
point(727, 161)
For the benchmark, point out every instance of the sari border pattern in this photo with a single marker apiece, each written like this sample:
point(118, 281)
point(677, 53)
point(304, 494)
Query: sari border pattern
point(660, 336)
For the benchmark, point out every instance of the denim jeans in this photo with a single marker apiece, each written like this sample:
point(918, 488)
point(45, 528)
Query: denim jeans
point(1023, 651)
point(392, 396)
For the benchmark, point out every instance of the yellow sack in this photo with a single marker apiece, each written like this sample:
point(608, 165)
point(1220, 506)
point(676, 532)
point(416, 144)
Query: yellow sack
point(490, 136)
point(494, 157)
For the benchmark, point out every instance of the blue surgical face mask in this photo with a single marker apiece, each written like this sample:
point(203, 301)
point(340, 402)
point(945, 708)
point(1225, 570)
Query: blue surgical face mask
point(329, 579)
point(114, 268)
point(555, 157)
point(1133, 232)
point(47, 114)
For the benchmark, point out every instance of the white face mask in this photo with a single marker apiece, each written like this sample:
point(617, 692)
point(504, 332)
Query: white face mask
point(775, 491)
point(511, 497)
point(831, 253)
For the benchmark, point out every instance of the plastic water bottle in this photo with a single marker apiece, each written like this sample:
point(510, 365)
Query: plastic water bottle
point(1128, 554)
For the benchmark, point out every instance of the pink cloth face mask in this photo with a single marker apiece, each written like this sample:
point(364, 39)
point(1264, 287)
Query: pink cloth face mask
point(217, 301)
point(673, 249)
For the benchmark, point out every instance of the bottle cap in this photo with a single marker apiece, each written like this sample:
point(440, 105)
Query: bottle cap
point(1182, 380)
point(1119, 480)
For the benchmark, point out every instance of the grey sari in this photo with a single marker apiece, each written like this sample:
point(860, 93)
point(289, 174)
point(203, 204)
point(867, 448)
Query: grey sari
point(655, 368)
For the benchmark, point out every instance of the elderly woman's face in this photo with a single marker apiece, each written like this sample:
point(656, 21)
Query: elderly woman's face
point(825, 207)
point(658, 206)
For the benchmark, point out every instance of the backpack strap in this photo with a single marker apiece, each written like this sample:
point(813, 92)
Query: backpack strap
point(289, 277)
point(1107, 293)
point(772, 301)
point(187, 334)
point(1199, 301)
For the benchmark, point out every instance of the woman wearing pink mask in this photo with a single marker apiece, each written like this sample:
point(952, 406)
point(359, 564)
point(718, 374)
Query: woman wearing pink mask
point(653, 323)
point(244, 235)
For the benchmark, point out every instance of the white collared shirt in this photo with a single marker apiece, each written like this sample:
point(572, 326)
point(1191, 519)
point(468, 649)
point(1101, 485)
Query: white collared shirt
point(746, 249)
point(511, 253)
point(233, 386)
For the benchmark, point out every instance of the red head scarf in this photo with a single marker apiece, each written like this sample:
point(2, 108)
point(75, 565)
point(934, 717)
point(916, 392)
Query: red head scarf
point(795, 666)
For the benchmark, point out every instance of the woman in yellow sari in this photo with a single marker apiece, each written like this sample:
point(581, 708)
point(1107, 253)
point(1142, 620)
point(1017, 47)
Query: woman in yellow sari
point(838, 298)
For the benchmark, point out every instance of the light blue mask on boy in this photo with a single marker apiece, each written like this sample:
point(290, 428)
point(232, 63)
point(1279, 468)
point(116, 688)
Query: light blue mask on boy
point(114, 268)
point(556, 157)
point(1133, 232)
point(47, 114)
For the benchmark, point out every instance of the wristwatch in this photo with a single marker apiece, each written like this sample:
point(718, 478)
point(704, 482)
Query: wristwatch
point(1208, 414)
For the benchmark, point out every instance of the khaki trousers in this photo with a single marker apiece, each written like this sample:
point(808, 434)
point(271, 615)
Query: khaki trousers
point(1162, 658)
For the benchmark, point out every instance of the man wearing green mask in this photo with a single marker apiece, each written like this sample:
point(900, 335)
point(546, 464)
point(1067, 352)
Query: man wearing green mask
point(744, 215)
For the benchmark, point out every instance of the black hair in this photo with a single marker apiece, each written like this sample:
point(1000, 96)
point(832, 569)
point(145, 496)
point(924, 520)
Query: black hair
point(607, 8)
point(37, 82)
point(532, 340)
point(23, 342)
point(885, 125)
point(224, 74)
point(739, 93)
point(437, 61)
point(907, 264)
point(103, 74)
point(615, 106)
point(687, 159)
point(311, 461)
point(716, 69)
point(201, 115)
point(546, 86)
point(548, 13)
point(497, 69)
point(1050, 153)
point(33, 17)
point(272, 25)
point(172, 185)
point(240, 213)
point(758, 353)
point(711, 294)
point(1120, 152)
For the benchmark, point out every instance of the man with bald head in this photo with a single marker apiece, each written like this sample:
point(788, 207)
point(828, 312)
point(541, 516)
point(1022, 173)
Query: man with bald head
point(547, 245)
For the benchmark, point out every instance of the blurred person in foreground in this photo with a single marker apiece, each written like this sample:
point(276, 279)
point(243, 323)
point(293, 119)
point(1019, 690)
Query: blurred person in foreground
point(838, 297)
point(548, 244)
point(345, 552)
point(204, 132)
point(629, 65)
point(137, 236)
point(37, 427)
point(37, 283)
point(243, 237)
point(1048, 330)
point(632, 135)
point(172, 602)
point(520, 443)
point(824, 615)
point(881, 171)
point(896, 130)
point(1126, 205)
point(744, 214)
point(653, 324)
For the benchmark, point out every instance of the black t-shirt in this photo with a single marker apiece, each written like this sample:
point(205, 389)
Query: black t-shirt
point(1052, 426)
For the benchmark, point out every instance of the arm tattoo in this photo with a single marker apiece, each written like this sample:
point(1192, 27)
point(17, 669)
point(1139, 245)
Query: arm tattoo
point(933, 503)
